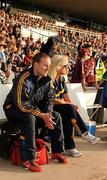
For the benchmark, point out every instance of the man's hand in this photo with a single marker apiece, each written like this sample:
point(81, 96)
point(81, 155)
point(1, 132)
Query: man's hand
point(48, 119)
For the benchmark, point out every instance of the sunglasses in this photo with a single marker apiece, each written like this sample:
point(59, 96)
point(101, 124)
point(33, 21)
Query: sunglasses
point(66, 66)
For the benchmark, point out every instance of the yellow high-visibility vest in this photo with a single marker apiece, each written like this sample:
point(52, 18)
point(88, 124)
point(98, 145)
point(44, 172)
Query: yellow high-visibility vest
point(100, 70)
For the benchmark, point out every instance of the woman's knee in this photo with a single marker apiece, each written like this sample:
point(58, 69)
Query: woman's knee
point(69, 108)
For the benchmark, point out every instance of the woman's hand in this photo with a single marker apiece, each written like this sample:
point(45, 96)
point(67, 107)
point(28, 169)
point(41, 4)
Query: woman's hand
point(75, 106)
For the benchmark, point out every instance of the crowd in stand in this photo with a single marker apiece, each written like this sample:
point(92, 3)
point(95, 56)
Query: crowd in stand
point(16, 51)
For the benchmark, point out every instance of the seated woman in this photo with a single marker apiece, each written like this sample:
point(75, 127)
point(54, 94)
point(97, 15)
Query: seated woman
point(64, 105)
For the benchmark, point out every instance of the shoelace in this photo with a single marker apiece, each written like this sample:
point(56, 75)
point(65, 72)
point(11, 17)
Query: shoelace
point(26, 164)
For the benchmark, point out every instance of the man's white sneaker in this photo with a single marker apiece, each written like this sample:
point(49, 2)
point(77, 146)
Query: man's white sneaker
point(73, 152)
point(90, 138)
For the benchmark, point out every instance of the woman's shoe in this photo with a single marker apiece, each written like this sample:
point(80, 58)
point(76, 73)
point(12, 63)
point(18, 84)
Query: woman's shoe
point(90, 138)
point(72, 152)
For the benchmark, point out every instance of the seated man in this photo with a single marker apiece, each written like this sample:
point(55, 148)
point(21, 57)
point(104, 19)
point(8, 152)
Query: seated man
point(29, 103)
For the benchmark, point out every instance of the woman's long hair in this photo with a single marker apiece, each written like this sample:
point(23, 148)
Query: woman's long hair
point(56, 61)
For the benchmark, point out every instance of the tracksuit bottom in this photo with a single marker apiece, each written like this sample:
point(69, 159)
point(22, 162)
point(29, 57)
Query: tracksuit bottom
point(28, 122)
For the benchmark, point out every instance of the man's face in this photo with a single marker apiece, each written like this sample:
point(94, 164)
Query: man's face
point(42, 68)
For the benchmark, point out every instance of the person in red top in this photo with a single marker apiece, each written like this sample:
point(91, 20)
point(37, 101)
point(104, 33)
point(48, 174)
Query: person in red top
point(78, 75)
point(89, 69)
point(28, 58)
point(84, 71)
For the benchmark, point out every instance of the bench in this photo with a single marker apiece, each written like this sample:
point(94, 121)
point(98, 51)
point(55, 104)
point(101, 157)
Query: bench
point(7, 129)
point(4, 89)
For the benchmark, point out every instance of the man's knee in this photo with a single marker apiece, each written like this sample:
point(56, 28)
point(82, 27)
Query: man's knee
point(29, 120)
point(57, 116)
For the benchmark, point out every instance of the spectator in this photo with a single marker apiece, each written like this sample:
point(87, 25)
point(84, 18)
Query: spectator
point(50, 47)
point(104, 82)
point(29, 103)
point(28, 58)
point(64, 105)
point(2, 54)
point(84, 71)
point(9, 74)
point(3, 79)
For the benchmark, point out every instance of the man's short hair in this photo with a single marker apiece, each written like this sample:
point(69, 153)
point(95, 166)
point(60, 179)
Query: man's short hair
point(39, 56)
